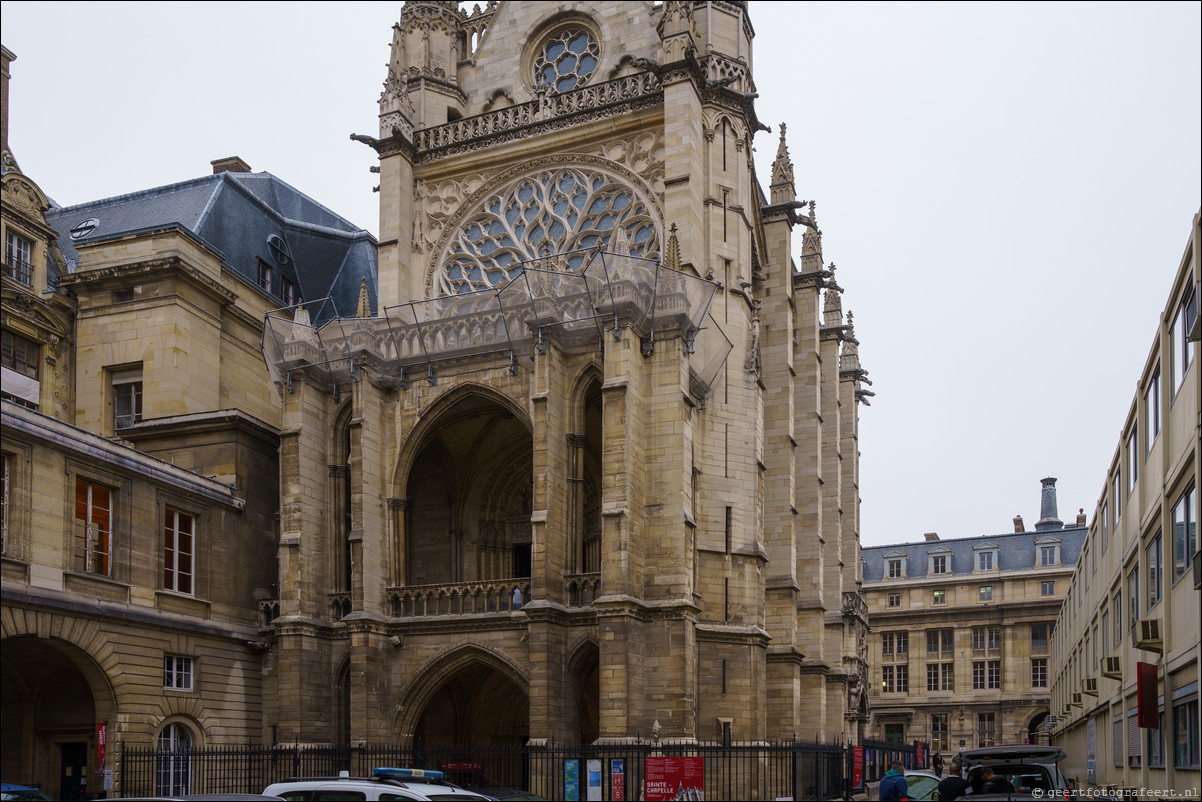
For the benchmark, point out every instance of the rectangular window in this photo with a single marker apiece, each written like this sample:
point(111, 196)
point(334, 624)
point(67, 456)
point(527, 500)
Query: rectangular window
point(903, 678)
point(1047, 588)
point(1117, 495)
point(902, 642)
point(1095, 646)
point(986, 729)
point(1152, 561)
point(1185, 734)
point(939, 733)
point(939, 597)
point(177, 672)
point(1105, 526)
point(1116, 739)
point(1182, 347)
point(1156, 744)
point(1185, 532)
point(985, 560)
point(93, 533)
point(127, 397)
point(940, 677)
point(265, 276)
point(287, 291)
point(20, 355)
point(1152, 410)
point(894, 600)
point(895, 569)
point(18, 258)
point(888, 680)
point(978, 675)
point(1039, 636)
point(1118, 618)
point(1106, 633)
point(1132, 459)
point(1133, 595)
point(939, 640)
point(1093, 559)
point(939, 564)
point(986, 593)
point(1047, 555)
point(1133, 750)
point(178, 533)
point(1039, 672)
point(886, 643)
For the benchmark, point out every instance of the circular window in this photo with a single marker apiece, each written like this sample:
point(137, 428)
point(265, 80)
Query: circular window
point(279, 249)
point(566, 59)
point(85, 228)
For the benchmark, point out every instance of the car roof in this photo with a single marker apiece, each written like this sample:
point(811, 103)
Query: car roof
point(1013, 753)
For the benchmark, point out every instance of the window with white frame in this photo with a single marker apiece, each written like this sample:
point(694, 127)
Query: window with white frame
point(940, 741)
point(177, 672)
point(939, 597)
point(93, 549)
point(179, 530)
point(987, 559)
point(1039, 672)
point(173, 765)
point(1049, 555)
point(986, 729)
point(1132, 459)
point(938, 563)
point(265, 275)
point(940, 640)
point(895, 679)
point(1185, 531)
point(897, 567)
point(894, 600)
point(985, 593)
point(1117, 495)
point(1185, 727)
point(127, 396)
point(1152, 562)
point(1118, 617)
point(1182, 348)
point(1105, 631)
point(941, 677)
point(1152, 410)
point(1133, 594)
point(1047, 588)
point(1104, 528)
point(18, 258)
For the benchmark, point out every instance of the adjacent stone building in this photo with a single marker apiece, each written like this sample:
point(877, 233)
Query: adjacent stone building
point(1135, 600)
point(578, 461)
point(961, 630)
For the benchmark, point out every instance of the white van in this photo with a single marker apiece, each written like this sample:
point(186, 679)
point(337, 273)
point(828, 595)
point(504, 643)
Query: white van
point(385, 785)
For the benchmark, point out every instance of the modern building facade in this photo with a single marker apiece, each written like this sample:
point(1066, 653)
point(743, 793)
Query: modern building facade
point(1131, 616)
point(961, 631)
point(577, 461)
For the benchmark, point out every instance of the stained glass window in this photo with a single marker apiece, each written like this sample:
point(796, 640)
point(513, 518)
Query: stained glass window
point(567, 60)
point(555, 211)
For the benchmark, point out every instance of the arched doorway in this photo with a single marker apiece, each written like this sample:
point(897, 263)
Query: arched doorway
point(470, 495)
point(54, 696)
point(477, 704)
point(586, 686)
point(1033, 730)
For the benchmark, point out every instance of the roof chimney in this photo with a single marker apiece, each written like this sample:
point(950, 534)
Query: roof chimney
point(230, 164)
point(1080, 516)
point(931, 535)
point(1018, 524)
point(1047, 508)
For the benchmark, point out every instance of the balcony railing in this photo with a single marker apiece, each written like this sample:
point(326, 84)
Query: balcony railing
point(582, 589)
point(459, 598)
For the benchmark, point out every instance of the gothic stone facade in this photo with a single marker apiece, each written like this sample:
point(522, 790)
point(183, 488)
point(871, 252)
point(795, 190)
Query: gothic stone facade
point(613, 494)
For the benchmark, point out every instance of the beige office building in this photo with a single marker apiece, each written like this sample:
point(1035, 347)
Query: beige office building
point(1135, 597)
point(960, 632)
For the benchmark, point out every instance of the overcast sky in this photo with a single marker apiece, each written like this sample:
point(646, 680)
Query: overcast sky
point(1006, 190)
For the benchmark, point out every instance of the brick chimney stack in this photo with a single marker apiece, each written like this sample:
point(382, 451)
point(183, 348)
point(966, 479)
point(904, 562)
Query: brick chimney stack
point(931, 536)
point(230, 164)
point(1018, 524)
point(1080, 516)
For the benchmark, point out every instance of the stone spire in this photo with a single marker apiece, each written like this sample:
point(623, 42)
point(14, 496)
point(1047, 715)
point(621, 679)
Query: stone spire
point(849, 360)
point(782, 189)
point(811, 250)
point(364, 307)
point(1048, 520)
point(832, 307)
point(672, 249)
point(619, 242)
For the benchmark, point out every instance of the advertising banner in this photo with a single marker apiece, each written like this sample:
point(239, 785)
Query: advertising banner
point(857, 767)
point(1091, 751)
point(571, 780)
point(1145, 678)
point(920, 756)
point(102, 730)
point(594, 780)
point(617, 779)
point(674, 778)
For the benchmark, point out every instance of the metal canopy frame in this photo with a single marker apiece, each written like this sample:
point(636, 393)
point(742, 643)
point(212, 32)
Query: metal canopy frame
point(540, 302)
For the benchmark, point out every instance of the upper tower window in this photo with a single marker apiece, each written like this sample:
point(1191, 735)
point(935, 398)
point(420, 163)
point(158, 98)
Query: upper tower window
point(18, 258)
point(566, 59)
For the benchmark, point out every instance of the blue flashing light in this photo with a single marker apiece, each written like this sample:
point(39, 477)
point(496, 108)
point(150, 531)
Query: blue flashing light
point(385, 773)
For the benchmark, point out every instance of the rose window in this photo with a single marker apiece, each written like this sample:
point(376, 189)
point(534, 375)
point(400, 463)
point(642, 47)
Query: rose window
point(556, 211)
point(567, 60)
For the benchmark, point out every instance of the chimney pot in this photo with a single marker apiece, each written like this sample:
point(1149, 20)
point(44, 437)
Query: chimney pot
point(230, 164)
point(1080, 516)
point(1048, 519)
point(931, 535)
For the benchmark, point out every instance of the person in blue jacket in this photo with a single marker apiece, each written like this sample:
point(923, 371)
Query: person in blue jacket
point(893, 784)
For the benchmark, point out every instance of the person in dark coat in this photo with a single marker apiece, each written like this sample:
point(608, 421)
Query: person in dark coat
point(953, 786)
point(937, 764)
point(893, 785)
point(994, 783)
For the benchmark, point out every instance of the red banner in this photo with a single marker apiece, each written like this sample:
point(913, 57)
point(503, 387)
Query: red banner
point(101, 740)
point(617, 779)
point(1145, 683)
point(919, 754)
point(857, 767)
point(674, 778)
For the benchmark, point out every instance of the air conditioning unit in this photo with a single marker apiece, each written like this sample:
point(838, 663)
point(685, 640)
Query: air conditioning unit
point(1112, 667)
point(1089, 685)
point(1148, 636)
point(1078, 700)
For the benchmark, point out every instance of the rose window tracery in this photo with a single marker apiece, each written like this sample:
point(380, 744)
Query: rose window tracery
point(566, 60)
point(555, 211)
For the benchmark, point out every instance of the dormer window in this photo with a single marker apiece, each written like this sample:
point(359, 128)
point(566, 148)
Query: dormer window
point(18, 258)
point(1048, 553)
point(985, 557)
point(939, 563)
point(895, 566)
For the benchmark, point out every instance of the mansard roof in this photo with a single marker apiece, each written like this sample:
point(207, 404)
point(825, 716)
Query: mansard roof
point(1016, 551)
point(235, 214)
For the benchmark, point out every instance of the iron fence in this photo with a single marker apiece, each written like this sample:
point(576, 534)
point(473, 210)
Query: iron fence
point(761, 771)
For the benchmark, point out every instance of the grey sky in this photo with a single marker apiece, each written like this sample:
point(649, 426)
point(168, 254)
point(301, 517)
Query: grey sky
point(1006, 190)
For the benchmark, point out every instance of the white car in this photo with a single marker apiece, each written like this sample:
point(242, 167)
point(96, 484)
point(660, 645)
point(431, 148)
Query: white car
point(1026, 768)
point(385, 785)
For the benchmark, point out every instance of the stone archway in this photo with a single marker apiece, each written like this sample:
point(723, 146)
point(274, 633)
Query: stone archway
point(470, 698)
point(54, 694)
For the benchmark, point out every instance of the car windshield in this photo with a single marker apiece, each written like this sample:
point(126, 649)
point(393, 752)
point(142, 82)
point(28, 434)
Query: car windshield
point(921, 788)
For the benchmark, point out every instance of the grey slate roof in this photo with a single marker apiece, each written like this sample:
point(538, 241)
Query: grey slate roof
point(1016, 551)
point(234, 214)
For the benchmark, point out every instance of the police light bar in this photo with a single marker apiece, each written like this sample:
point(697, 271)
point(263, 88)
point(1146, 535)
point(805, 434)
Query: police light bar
point(385, 773)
